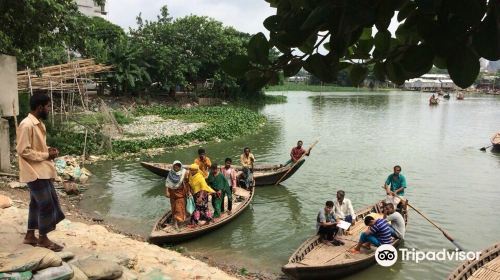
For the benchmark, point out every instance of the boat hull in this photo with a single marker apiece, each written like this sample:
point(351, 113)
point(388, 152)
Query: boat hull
point(159, 237)
point(263, 176)
point(297, 269)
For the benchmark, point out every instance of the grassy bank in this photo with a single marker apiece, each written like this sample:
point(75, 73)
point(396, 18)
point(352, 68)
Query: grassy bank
point(222, 122)
point(317, 88)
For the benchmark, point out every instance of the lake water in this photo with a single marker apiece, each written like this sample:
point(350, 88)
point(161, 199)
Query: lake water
point(361, 137)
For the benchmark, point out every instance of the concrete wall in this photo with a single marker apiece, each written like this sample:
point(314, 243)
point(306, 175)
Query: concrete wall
point(8, 86)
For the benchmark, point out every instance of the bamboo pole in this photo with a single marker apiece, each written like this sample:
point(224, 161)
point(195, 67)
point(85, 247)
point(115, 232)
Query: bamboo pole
point(84, 148)
point(29, 79)
point(51, 104)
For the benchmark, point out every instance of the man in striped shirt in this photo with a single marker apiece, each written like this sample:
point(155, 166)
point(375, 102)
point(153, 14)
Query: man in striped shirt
point(378, 233)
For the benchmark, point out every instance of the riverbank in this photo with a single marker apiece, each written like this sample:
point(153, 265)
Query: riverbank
point(320, 88)
point(88, 235)
point(151, 129)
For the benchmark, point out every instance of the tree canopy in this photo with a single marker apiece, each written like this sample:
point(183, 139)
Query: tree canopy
point(327, 36)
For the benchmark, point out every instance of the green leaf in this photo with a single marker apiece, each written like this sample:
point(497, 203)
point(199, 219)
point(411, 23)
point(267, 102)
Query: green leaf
point(258, 49)
point(406, 11)
point(292, 68)
point(439, 62)
point(471, 12)
point(309, 44)
point(272, 23)
point(395, 72)
point(383, 41)
point(358, 74)
point(317, 17)
point(236, 65)
point(487, 40)
point(417, 60)
point(367, 34)
point(317, 65)
point(379, 71)
point(463, 66)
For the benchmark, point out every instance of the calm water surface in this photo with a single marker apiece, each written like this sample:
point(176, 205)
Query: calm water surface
point(361, 136)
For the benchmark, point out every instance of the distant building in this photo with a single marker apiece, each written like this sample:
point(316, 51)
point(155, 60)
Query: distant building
point(431, 82)
point(90, 8)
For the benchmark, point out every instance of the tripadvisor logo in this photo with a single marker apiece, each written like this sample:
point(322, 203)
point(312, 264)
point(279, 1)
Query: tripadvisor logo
point(386, 255)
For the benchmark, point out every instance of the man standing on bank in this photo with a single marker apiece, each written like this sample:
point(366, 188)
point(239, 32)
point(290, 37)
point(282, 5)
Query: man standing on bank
point(37, 169)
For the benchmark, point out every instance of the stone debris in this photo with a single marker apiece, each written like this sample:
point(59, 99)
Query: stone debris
point(5, 201)
point(98, 254)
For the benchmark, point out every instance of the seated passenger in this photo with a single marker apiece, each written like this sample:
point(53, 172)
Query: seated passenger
point(326, 224)
point(343, 208)
point(378, 233)
point(398, 225)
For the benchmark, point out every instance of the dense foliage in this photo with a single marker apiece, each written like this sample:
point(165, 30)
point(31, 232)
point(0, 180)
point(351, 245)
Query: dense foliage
point(221, 123)
point(325, 37)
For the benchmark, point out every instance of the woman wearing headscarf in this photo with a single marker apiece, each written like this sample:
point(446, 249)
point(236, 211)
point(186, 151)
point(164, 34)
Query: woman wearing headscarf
point(200, 191)
point(176, 189)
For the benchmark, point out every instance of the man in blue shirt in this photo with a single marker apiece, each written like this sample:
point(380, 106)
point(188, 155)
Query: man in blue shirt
point(395, 186)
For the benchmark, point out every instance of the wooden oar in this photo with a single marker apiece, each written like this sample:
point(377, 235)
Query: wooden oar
point(291, 168)
point(484, 148)
point(434, 224)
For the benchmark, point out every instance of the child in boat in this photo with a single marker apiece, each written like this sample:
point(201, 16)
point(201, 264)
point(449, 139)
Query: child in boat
point(218, 182)
point(378, 233)
point(326, 224)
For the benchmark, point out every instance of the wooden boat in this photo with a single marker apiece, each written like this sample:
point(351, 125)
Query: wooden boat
point(163, 232)
point(263, 174)
point(447, 96)
point(315, 260)
point(433, 101)
point(487, 267)
point(460, 96)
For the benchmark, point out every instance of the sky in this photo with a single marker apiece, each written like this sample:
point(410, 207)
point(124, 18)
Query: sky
point(244, 15)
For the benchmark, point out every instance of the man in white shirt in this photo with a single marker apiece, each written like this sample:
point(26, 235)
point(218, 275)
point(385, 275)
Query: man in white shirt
point(343, 208)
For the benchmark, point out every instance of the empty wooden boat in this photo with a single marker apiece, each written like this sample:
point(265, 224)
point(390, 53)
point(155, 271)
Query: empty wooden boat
point(263, 174)
point(487, 267)
point(315, 260)
point(163, 232)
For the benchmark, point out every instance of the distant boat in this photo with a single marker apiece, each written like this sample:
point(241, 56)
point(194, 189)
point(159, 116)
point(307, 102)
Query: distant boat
point(446, 96)
point(460, 96)
point(264, 174)
point(433, 101)
point(486, 267)
point(315, 260)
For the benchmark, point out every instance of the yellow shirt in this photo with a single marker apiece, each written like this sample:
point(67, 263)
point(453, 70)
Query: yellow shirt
point(198, 183)
point(247, 161)
point(204, 165)
point(33, 152)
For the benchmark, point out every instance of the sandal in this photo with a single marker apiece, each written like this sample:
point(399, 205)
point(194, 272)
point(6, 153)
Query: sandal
point(53, 246)
point(29, 242)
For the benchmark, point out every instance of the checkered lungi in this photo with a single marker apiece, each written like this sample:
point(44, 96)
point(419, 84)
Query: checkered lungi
point(44, 210)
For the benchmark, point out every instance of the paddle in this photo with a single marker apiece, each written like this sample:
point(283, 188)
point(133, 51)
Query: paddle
point(484, 148)
point(280, 179)
point(434, 224)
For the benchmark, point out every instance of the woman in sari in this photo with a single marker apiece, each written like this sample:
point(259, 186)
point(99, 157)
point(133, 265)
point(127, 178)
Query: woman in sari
point(176, 190)
point(200, 191)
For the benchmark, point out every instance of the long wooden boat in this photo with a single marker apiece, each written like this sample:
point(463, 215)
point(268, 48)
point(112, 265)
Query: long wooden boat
point(433, 101)
point(460, 96)
point(487, 267)
point(263, 174)
point(315, 260)
point(163, 232)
